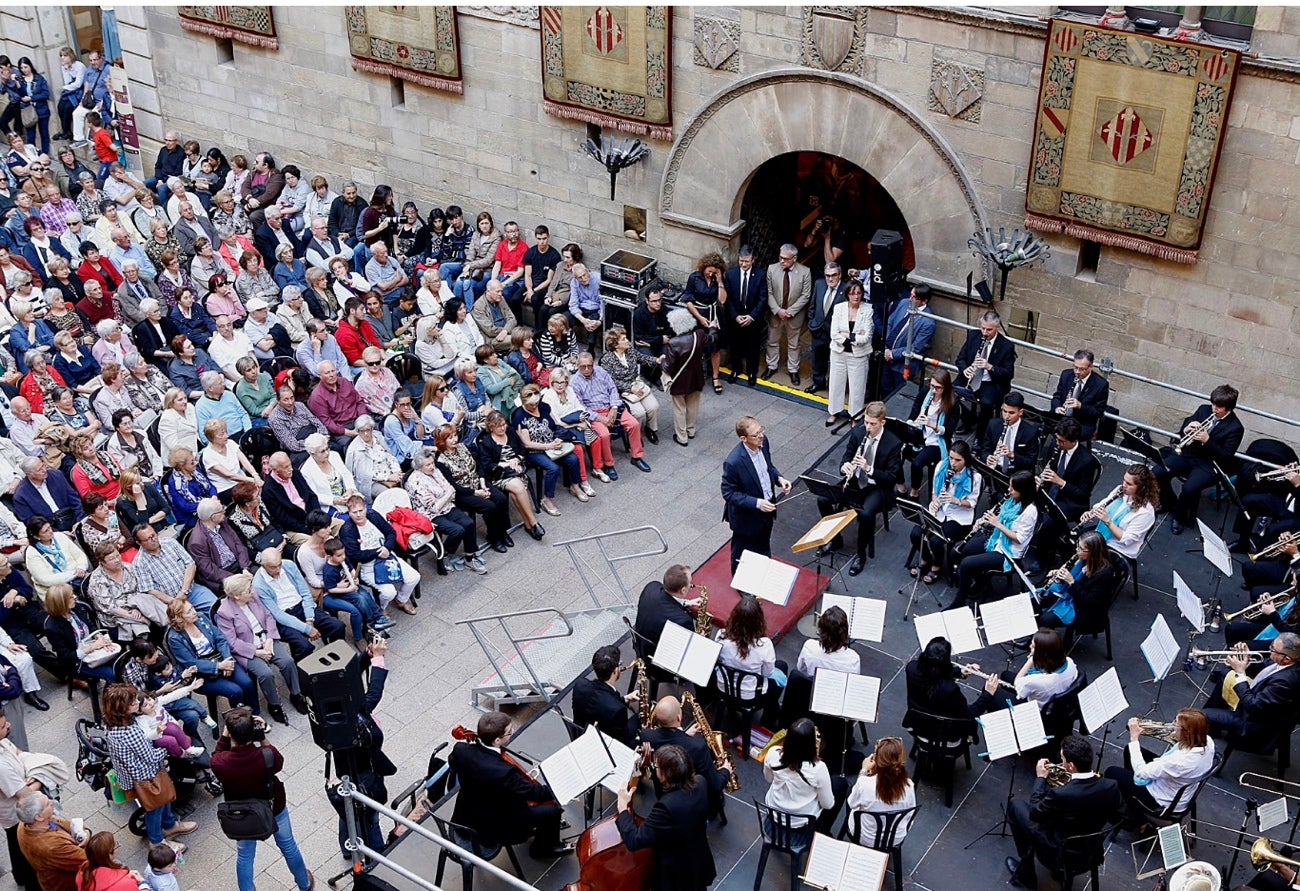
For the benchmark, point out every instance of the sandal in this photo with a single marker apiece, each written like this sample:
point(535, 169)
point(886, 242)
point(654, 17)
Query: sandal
point(931, 578)
point(914, 572)
point(717, 386)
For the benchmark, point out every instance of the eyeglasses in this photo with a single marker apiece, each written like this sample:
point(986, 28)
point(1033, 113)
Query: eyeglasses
point(374, 364)
point(442, 389)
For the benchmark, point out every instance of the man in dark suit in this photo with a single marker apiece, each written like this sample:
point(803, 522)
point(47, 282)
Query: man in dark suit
point(662, 602)
point(288, 498)
point(1216, 444)
point(46, 494)
point(1082, 395)
point(676, 828)
point(750, 483)
point(497, 799)
point(1010, 443)
point(274, 232)
point(896, 338)
point(1266, 703)
point(667, 731)
point(1040, 825)
point(745, 315)
point(873, 464)
point(192, 226)
point(826, 294)
point(986, 364)
point(599, 702)
point(1067, 479)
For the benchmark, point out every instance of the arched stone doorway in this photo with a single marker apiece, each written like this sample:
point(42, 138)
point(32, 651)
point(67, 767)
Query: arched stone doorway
point(796, 110)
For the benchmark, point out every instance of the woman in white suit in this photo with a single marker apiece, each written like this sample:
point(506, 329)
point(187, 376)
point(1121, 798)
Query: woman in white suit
point(850, 346)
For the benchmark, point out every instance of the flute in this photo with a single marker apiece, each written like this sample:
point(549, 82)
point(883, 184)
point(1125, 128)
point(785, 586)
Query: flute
point(970, 669)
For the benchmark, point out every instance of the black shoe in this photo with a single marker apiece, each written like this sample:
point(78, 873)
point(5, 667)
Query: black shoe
point(795, 380)
point(753, 381)
point(822, 551)
point(277, 713)
point(1017, 878)
point(508, 541)
point(299, 702)
point(550, 853)
point(1176, 527)
point(639, 464)
point(731, 378)
point(814, 387)
point(536, 532)
point(767, 373)
point(653, 435)
point(679, 442)
point(498, 546)
point(859, 563)
point(59, 136)
point(36, 702)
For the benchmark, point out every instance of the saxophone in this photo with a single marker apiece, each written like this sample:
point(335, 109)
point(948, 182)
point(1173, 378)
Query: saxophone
point(644, 706)
point(711, 736)
point(703, 621)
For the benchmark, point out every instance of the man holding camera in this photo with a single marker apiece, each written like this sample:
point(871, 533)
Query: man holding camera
point(241, 767)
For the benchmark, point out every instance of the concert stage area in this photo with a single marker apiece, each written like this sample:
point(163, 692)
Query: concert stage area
point(935, 855)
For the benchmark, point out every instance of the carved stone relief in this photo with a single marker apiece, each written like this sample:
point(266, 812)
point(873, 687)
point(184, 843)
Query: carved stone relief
point(525, 16)
point(956, 90)
point(834, 38)
point(717, 44)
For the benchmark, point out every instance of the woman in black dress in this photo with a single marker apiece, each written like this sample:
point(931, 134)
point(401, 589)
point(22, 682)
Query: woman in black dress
point(705, 295)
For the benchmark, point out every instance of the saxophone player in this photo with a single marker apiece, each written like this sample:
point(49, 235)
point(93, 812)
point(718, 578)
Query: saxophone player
point(666, 730)
point(599, 701)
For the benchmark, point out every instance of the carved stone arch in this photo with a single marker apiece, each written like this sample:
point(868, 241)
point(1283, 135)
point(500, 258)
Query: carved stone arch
point(792, 110)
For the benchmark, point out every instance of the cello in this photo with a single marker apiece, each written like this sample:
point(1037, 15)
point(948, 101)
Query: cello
point(606, 863)
point(462, 733)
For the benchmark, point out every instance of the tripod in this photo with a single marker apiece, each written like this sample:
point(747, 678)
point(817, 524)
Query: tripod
point(1002, 827)
point(931, 530)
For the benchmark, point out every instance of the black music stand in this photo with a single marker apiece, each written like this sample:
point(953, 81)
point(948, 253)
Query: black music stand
point(1225, 483)
point(917, 515)
point(996, 482)
point(1130, 440)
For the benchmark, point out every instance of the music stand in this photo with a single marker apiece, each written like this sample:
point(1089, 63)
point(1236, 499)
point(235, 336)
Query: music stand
point(996, 482)
point(1225, 483)
point(917, 515)
point(1131, 440)
point(833, 492)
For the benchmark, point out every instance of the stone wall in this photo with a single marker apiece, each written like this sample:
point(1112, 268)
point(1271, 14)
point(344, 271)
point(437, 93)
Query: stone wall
point(1231, 317)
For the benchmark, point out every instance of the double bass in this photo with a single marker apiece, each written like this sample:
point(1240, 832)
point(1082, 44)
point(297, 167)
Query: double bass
point(606, 863)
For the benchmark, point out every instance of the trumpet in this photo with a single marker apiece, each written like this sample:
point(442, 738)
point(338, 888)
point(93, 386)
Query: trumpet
point(1190, 436)
point(1256, 609)
point(1205, 657)
point(1158, 730)
point(1280, 473)
point(1276, 547)
point(970, 669)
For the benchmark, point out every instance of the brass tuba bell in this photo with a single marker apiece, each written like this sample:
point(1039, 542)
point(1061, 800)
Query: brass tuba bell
point(1262, 855)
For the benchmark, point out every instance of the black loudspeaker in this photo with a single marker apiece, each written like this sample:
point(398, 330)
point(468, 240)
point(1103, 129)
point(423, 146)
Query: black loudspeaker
point(331, 681)
point(886, 266)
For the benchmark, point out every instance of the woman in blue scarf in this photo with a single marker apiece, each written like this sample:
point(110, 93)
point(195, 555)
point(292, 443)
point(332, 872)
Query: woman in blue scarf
point(955, 491)
point(1011, 526)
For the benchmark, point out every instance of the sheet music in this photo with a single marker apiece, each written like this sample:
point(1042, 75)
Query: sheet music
point(862, 698)
point(578, 766)
point(686, 653)
point(1027, 720)
point(956, 625)
point(843, 695)
point(821, 530)
point(1272, 813)
point(866, 616)
point(624, 763)
point(1171, 845)
point(1160, 648)
point(999, 734)
point(765, 578)
point(864, 868)
point(825, 866)
point(828, 691)
point(1189, 604)
point(1102, 700)
point(1008, 619)
point(1215, 550)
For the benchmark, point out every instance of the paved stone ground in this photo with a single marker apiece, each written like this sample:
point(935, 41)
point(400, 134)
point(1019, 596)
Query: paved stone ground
point(434, 664)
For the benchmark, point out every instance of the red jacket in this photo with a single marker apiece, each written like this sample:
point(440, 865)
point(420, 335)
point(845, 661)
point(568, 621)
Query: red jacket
point(105, 273)
point(407, 522)
point(111, 878)
point(354, 340)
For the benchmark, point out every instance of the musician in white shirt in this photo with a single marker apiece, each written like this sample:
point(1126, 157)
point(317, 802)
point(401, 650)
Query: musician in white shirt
point(1047, 672)
point(1154, 781)
point(1012, 526)
point(1126, 515)
point(831, 647)
point(956, 490)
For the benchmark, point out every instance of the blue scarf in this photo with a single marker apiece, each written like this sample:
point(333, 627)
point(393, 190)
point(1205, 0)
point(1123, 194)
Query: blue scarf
point(999, 541)
point(1063, 608)
point(53, 555)
point(962, 483)
point(1117, 511)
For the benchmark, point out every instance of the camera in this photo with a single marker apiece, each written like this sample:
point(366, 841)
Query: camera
point(392, 220)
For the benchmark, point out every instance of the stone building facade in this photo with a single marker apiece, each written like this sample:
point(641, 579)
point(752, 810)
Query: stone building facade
point(936, 104)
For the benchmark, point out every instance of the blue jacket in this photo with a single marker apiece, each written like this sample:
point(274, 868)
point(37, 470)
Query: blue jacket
point(19, 344)
point(28, 502)
point(741, 490)
point(896, 336)
point(40, 94)
point(262, 588)
point(183, 648)
point(199, 327)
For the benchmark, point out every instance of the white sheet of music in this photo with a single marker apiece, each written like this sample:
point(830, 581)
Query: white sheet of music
point(828, 691)
point(624, 764)
point(1272, 813)
point(1160, 648)
point(1010, 618)
point(1216, 551)
point(866, 616)
point(843, 866)
point(578, 766)
point(852, 696)
point(1172, 850)
point(862, 698)
point(956, 625)
point(686, 653)
point(1189, 604)
point(1102, 700)
point(999, 734)
point(765, 578)
point(1027, 719)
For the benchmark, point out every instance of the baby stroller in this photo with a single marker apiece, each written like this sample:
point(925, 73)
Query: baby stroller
point(94, 764)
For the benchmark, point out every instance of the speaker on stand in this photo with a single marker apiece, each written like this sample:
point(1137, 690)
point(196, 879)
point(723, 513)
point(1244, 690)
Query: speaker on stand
point(886, 283)
point(331, 682)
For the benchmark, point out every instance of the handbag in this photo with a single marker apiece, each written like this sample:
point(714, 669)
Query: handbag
point(270, 537)
point(156, 791)
point(29, 116)
point(102, 655)
point(640, 390)
point(560, 451)
point(88, 102)
point(388, 572)
point(250, 819)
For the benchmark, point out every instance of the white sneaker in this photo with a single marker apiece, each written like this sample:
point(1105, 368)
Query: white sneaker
point(194, 751)
point(477, 565)
point(588, 490)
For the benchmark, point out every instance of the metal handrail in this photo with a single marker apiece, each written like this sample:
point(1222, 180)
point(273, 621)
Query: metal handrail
point(611, 561)
point(354, 843)
point(501, 619)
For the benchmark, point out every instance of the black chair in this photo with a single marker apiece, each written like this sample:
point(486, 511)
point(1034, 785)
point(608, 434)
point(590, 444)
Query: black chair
point(938, 742)
point(1080, 855)
point(276, 364)
point(1182, 807)
point(885, 837)
point(1133, 561)
point(1279, 742)
point(781, 834)
point(1102, 623)
point(468, 839)
point(733, 704)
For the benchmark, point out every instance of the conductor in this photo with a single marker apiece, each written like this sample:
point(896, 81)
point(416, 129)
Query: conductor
point(750, 483)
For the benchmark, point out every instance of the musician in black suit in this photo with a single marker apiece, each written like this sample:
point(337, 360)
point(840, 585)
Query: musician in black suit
point(660, 603)
point(1082, 395)
point(1010, 443)
point(676, 827)
point(1041, 824)
point(986, 364)
point(1195, 465)
point(1068, 478)
point(599, 702)
point(745, 311)
point(497, 799)
point(827, 293)
point(667, 730)
point(873, 465)
point(1267, 702)
point(750, 484)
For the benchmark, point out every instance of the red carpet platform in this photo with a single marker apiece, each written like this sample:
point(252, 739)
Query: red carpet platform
point(715, 574)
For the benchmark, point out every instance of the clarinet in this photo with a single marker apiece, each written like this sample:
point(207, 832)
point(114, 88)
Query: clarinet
point(1051, 460)
point(1069, 394)
point(862, 450)
point(997, 444)
point(980, 523)
point(1099, 511)
point(947, 482)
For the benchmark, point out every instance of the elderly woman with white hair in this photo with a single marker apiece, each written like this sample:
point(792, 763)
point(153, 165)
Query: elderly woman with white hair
point(327, 475)
point(113, 345)
point(254, 639)
point(112, 395)
point(376, 384)
point(288, 269)
point(436, 352)
point(684, 357)
point(153, 335)
point(373, 466)
point(146, 384)
point(294, 314)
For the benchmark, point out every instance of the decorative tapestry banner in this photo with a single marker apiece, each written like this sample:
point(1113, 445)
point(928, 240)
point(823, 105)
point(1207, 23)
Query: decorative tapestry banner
point(609, 65)
point(416, 43)
point(1128, 137)
point(247, 24)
